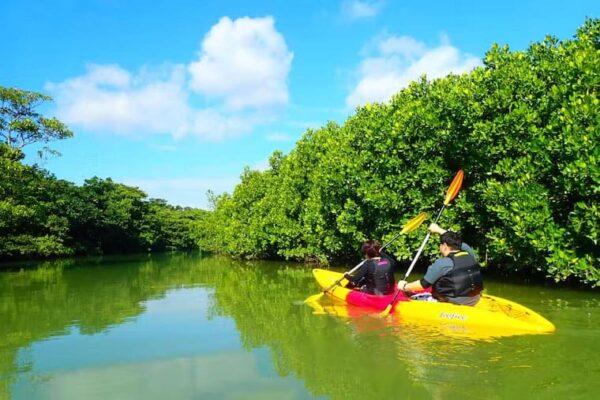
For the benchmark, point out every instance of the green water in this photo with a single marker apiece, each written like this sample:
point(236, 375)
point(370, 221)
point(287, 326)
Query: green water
point(186, 327)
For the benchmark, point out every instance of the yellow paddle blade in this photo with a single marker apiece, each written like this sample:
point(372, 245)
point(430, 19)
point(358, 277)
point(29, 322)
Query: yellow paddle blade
point(454, 187)
point(414, 223)
point(317, 308)
point(314, 298)
point(385, 312)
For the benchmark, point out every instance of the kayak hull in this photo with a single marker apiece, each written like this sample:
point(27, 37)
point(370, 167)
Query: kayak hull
point(493, 314)
point(339, 292)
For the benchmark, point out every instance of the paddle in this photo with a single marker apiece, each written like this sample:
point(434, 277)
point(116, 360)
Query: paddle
point(450, 195)
point(408, 227)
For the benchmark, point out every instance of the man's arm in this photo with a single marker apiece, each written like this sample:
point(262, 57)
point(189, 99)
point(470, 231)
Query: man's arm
point(434, 272)
point(409, 287)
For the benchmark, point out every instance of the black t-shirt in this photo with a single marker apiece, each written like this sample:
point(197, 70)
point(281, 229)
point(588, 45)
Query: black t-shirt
point(376, 276)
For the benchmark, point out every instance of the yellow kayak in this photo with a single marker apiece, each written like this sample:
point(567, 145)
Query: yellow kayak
point(492, 316)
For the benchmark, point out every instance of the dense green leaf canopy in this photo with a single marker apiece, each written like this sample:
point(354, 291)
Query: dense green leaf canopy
point(526, 129)
point(41, 216)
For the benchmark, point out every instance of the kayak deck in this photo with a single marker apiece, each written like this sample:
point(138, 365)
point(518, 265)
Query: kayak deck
point(494, 313)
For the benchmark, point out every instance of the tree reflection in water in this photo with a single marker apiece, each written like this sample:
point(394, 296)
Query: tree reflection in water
point(338, 353)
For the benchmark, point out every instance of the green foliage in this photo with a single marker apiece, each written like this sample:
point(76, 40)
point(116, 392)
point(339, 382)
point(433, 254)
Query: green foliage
point(21, 125)
point(41, 216)
point(526, 129)
point(31, 222)
point(166, 227)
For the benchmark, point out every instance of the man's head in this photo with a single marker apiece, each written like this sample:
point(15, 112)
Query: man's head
point(370, 248)
point(449, 242)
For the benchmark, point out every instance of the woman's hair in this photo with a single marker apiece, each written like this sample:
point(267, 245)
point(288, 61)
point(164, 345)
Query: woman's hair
point(371, 248)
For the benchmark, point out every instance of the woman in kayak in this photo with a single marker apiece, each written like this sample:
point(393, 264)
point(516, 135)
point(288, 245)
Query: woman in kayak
point(376, 276)
point(454, 278)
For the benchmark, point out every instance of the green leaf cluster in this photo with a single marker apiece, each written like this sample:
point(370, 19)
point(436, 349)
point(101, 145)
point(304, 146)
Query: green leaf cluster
point(21, 124)
point(526, 129)
point(41, 216)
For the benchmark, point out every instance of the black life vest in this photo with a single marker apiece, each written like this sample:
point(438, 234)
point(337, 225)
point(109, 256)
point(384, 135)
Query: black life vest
point(379, 279)
point(464, 280)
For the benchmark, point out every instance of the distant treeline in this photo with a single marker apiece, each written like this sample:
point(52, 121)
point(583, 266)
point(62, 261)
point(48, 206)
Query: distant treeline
point(525, 127)
point(42, 216)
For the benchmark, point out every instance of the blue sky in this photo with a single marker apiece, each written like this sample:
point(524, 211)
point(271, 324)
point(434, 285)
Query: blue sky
point(177, 97)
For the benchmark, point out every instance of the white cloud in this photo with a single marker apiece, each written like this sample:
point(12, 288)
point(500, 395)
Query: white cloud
point(404, 46)
point(278, 137)
point(185, 192)
point(245, 62)
point(109, 98)
point(361, 9)
point(261, 166)
point(400, 60)
point(242, 72)
point(215, 124)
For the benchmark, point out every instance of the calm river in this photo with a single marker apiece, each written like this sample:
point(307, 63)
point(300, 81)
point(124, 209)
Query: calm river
point(186, 327)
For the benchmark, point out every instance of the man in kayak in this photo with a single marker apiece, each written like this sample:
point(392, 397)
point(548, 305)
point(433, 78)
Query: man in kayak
point(454, 278)
point(376, 275)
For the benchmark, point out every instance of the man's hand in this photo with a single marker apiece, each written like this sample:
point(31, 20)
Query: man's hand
point(435, 229)
point(402, 285)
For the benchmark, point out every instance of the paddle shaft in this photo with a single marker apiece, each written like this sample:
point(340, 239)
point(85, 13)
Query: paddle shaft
point(450, 195)
point(390, 241)
point(408, 227)
point(414, 261)
point(349, 273)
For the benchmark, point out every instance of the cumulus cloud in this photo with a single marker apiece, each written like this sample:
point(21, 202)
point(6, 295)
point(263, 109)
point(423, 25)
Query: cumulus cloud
point(109, 98)
point(404, 46)
point(278, 137)
point(400, 60)
point(245, 62)
point(361, 9)
point(240, 77)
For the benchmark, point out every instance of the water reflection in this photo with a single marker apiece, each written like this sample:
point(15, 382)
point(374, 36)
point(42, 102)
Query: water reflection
point(184, 326)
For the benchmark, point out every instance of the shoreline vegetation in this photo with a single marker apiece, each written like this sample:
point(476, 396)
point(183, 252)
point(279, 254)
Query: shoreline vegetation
point(525, 127)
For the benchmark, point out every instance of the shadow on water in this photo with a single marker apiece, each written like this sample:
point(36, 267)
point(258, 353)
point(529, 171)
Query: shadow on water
point(334, 356)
